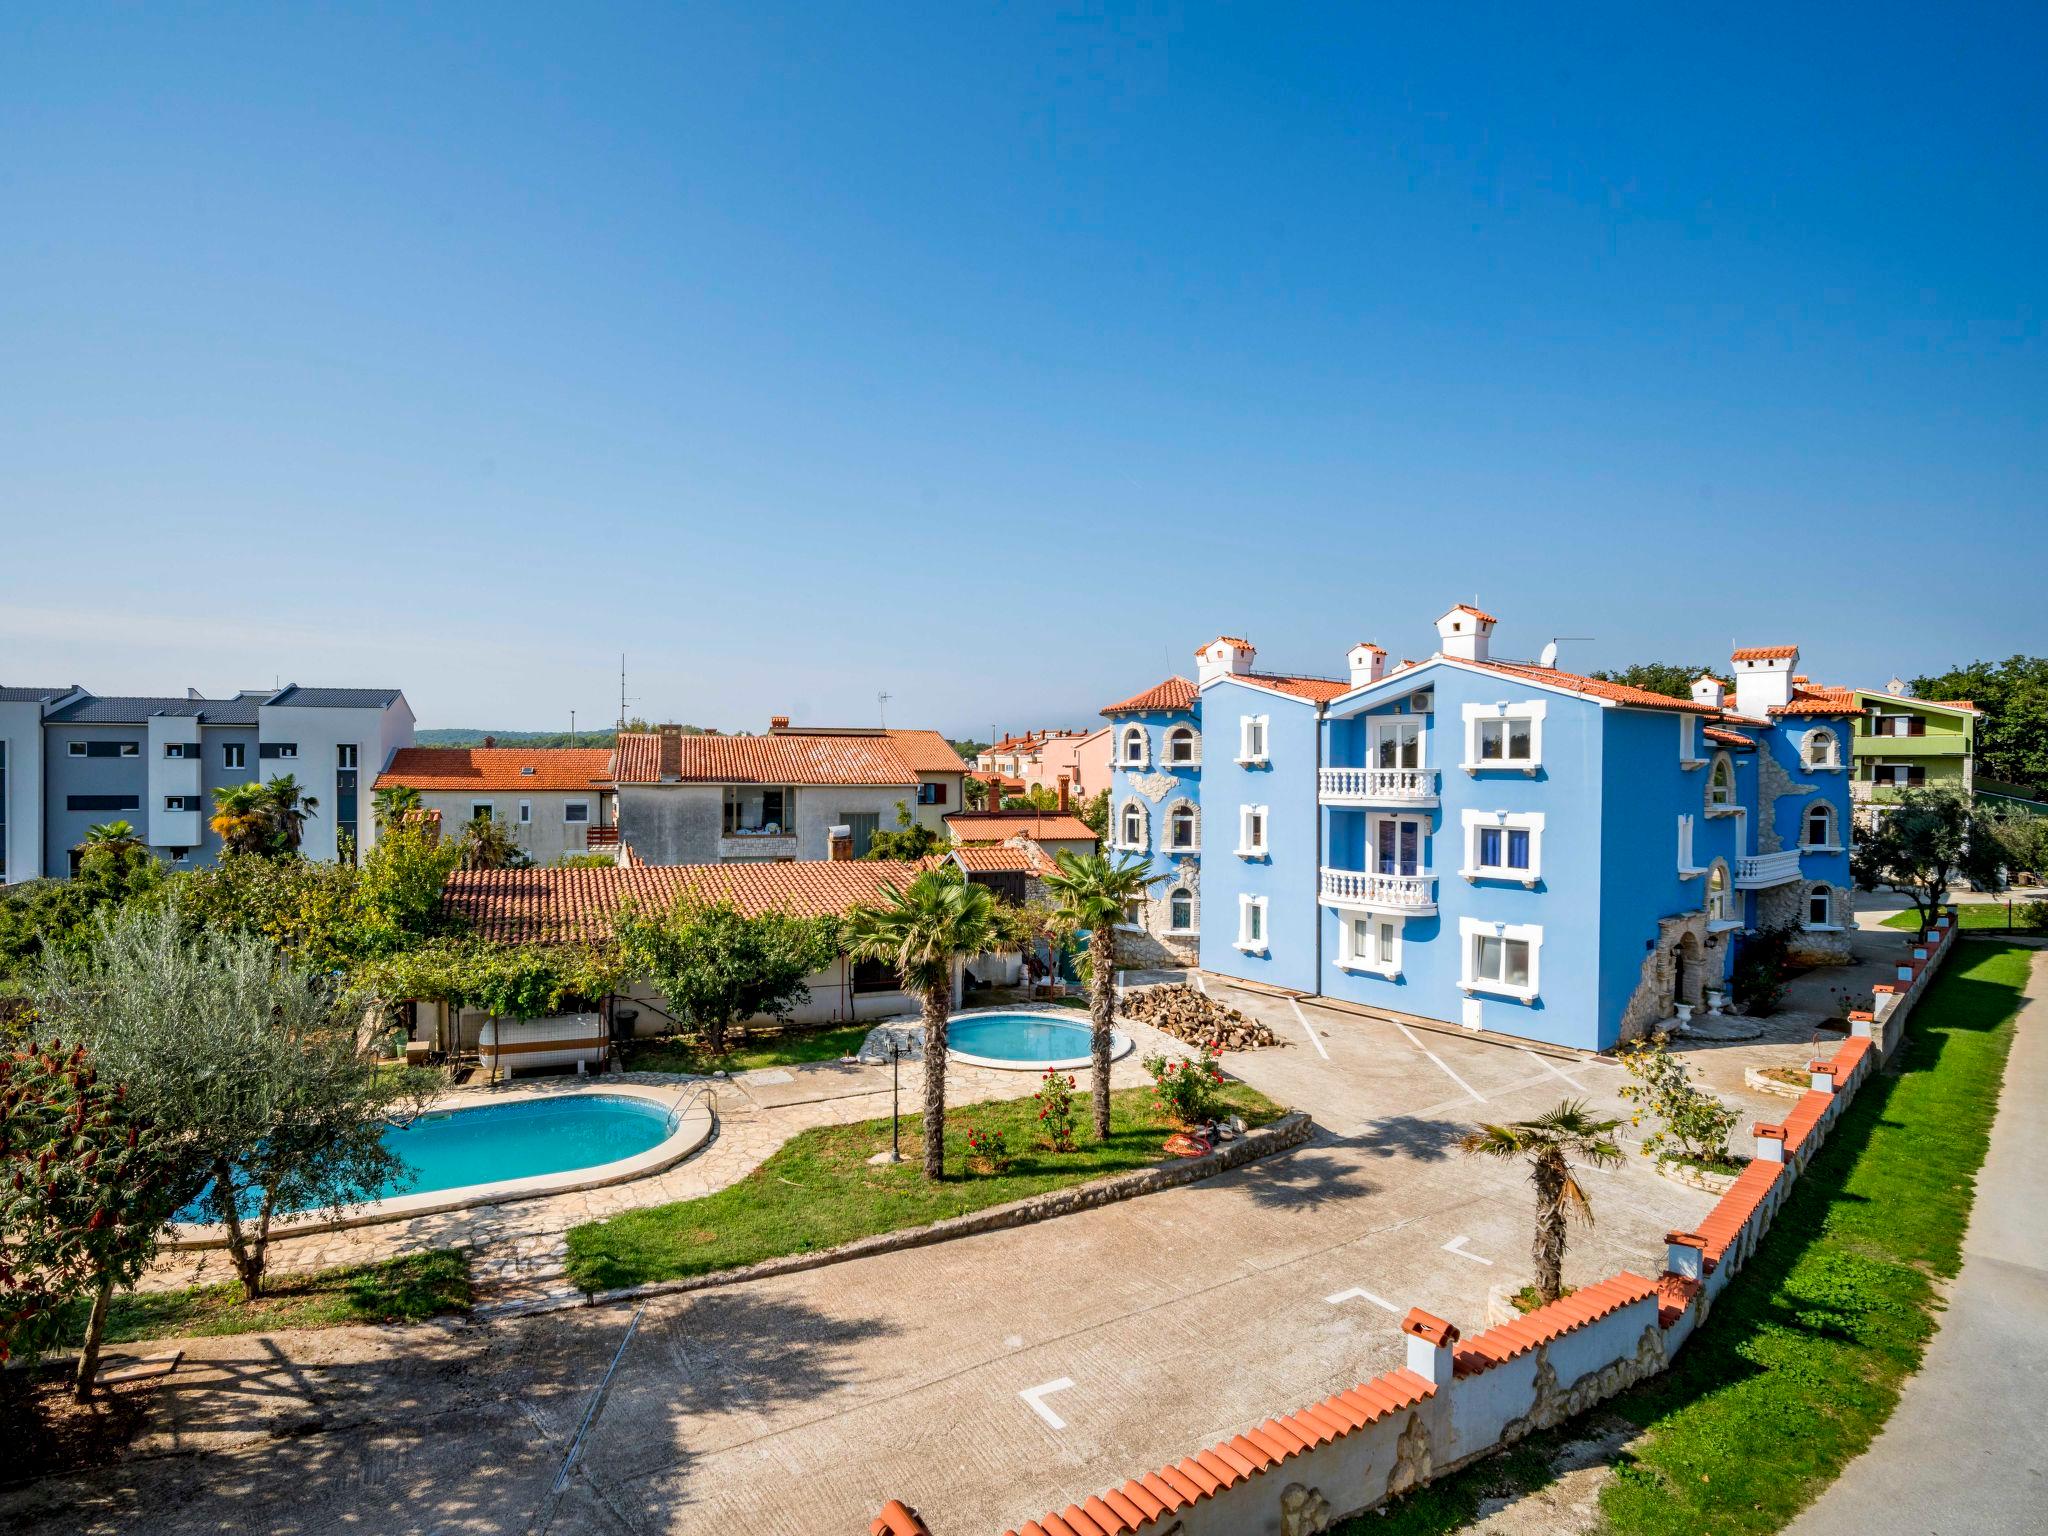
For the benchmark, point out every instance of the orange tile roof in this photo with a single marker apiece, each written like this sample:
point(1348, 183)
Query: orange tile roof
point(1148, 1499)
point(998, 858)
point(1227, 640)
point(462, 768)
point(1174, 693)
point(1478, 613)
point(560, 906)
point(1820, 699)
point(790, 758)
point(1496, 1346)
point(1763, 653)
point(1727, 738)
point(1001, 826)
point(1594, 687)
point(1725, 1221)
point(926, 752)
point(1317, 689)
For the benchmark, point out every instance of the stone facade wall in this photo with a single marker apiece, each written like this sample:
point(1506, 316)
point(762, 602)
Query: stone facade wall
point(1650, 1004)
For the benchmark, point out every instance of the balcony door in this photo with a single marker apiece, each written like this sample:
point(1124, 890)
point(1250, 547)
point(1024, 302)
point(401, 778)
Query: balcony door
point(1397, 742)
point(1397, 845)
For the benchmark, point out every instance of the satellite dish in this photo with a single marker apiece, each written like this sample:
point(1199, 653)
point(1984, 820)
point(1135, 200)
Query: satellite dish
point(1549, 656)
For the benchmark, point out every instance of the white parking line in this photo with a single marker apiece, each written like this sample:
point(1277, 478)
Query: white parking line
point(1309, 1029)
point(1360, 1291)
point(1034, 1400)
point(1432, 1055)
point(1457, 1245)
point(1552, 1067)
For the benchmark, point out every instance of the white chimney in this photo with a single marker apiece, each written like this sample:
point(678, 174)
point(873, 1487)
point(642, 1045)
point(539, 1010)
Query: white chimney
point(1368, 663)
point(1707, 690)
point(1464, 633)
point(1225, 656)
point(1763, 678)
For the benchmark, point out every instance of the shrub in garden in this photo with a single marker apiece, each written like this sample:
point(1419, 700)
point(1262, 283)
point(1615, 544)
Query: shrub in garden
point(1760, 967)
point(1187, 1087)
point(1056, 1110)
point(987, 1150)
point(1695, 1123)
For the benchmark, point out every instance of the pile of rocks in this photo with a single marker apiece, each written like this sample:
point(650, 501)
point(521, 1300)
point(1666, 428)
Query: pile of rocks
point(1198, 1019)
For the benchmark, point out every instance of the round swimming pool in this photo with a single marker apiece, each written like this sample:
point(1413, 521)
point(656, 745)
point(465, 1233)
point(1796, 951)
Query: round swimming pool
point(1033, 1041)
point(451, 1148)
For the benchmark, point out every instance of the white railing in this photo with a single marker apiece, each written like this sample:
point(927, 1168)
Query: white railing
point(1396, 893)
point(1757, 870)
point(1400, 785)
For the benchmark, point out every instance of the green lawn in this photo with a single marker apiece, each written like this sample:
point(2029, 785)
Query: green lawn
point(1801, 1360)
point(818, 1190)
point(1976, 914)
point(763, 1047)
point(401, 1290)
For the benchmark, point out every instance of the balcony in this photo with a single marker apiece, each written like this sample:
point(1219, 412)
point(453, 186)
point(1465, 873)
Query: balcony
point(1414, 895)
point(596, 836)
point(1376, 786)
point(1757, 871)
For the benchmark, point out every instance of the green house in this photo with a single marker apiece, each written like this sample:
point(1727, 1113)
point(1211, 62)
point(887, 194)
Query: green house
point(1905, 743)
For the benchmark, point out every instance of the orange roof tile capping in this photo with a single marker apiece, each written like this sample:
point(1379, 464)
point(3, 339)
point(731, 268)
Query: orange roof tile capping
point(1592, 687)
point(462, 768)
point(1764, 653)
point(1174, 693)
point(1478, 613)
point(791, 758)
point(1001, 826)
point(1819, 699)
point(1496, 1346)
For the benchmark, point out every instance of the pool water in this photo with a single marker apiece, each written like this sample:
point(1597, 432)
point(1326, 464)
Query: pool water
point(1018, 1037)
point(448, 1149)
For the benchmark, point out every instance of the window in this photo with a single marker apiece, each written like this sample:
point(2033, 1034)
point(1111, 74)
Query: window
point(1134, 915)
point(931, 794)
point(1251, 923)
point(104, 748)
point(1504, 736)
point(576, 810)
point(1819, 826)
point(1251, 831)
point(1899, 725)
point(480, 810)
point(1397, 742)
point(1500, 957)
point(1820, 907)
point(177, 751)
point(275, 749)
point(1370, 943)
point(1182, 828)
point(345, 755)
point(1899, 775)
point(76, 748)
point(1180, 911)
point(1130, 826)
point(131, 749)
point(103, 802)
point(525, 812)
point(1721, 784)
point(181, 802)
point(1251, 738)
point(1132, 752)
point(1396, 847)
point(233, 754)
point(1503, 845)
point(1720, 896)
point(1821, 750)
point(1180, 746)
point(1688, 740)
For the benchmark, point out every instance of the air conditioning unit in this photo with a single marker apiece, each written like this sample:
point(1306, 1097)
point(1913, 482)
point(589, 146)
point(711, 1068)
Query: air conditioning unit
point(1423, 702)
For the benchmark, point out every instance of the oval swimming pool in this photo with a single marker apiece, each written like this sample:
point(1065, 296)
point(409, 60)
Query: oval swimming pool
point(1033, 1040)
point(450, 1148)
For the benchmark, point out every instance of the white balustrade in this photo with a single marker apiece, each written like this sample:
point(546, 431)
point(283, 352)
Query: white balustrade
point(1396, 786)
point(1393, 893)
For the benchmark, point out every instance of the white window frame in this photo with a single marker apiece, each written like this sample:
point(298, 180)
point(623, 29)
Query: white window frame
point(1477, 715)
point(1834, 840)
point(1503, 822)
point(1131, 736)
point(74, 749)
point(483, 808)
point(1730, 916)
point(234, 754)
point(1194, 927)
point(1132, 803)
point(576, 805)
point(1821, 735)
point(1689, 741)
point(1733, 803)
point(1471, 930)
point(526, 813)
point(346, 755)
point(131, 749)
point(287, 752)
point(1246, 905)
point(1379, 727)
point(1381, 957)
point(1250, 817)
point(1687, 870)
point(1174, 735)
point(1823, 889)
point(1246, 725)
point(1194, 811)
point(178, 751)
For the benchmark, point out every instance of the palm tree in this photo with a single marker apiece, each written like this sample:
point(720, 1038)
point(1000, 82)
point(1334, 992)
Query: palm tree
point(287, 812)
point(393, 804)
point(1549, 1143)
point(923, 930)
point(110, 837)
point(241, 818)
point(1090, 892)
point(488, 844)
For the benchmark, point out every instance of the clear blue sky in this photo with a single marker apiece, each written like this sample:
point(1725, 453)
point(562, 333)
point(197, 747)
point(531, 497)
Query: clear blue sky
point(999, 358)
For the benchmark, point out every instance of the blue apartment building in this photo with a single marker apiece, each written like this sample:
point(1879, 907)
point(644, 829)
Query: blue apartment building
point(1510, 847)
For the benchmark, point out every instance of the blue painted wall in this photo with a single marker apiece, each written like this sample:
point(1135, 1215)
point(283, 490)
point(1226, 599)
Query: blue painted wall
point(1173, 868)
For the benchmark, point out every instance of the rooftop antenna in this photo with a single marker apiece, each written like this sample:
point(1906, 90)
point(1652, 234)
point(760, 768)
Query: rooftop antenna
point(1549, 656)
point(572, 729)
point(882, 704)
point(623, 701)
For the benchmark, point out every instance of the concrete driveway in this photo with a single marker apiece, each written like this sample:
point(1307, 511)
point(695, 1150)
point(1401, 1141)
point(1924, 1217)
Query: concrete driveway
point(984, 1380)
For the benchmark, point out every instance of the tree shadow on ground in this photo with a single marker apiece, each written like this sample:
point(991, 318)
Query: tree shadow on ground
point(1410, 1136)
point(1307, 1178)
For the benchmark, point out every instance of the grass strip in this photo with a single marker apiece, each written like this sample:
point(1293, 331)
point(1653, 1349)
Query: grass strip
point(1995, 915)
point(818, 1189)
point(407, 1289)
point(763, 1047)
point(1801, 1360)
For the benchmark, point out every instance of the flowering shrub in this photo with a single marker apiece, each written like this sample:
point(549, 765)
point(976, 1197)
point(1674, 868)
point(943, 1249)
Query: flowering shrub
point(1696, 1124)
point(1188, 1088)
point(987, 1147)
point(1056, 1110)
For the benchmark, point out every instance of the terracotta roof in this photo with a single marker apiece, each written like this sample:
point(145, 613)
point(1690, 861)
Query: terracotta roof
point(1819, 699)
point(1236, 640)
point(1674, 1295)
point(1727, 738)
point(1496, 1346)
point(1724, 1223)
point(1593, 687)
point(927, 752)
point(1001, 826)
point(1146, 1500)
point(1319, 689)
point(1003, 858)
point(1174, 693)
point(559, 906)
point(460, 768)
point(1478, 613)
point(1763, 653)
point(778, 759)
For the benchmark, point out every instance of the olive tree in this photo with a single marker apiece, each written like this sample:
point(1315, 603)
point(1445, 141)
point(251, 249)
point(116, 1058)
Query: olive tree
point(246, 1063)
point(717, 966)
point(1924, 843)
